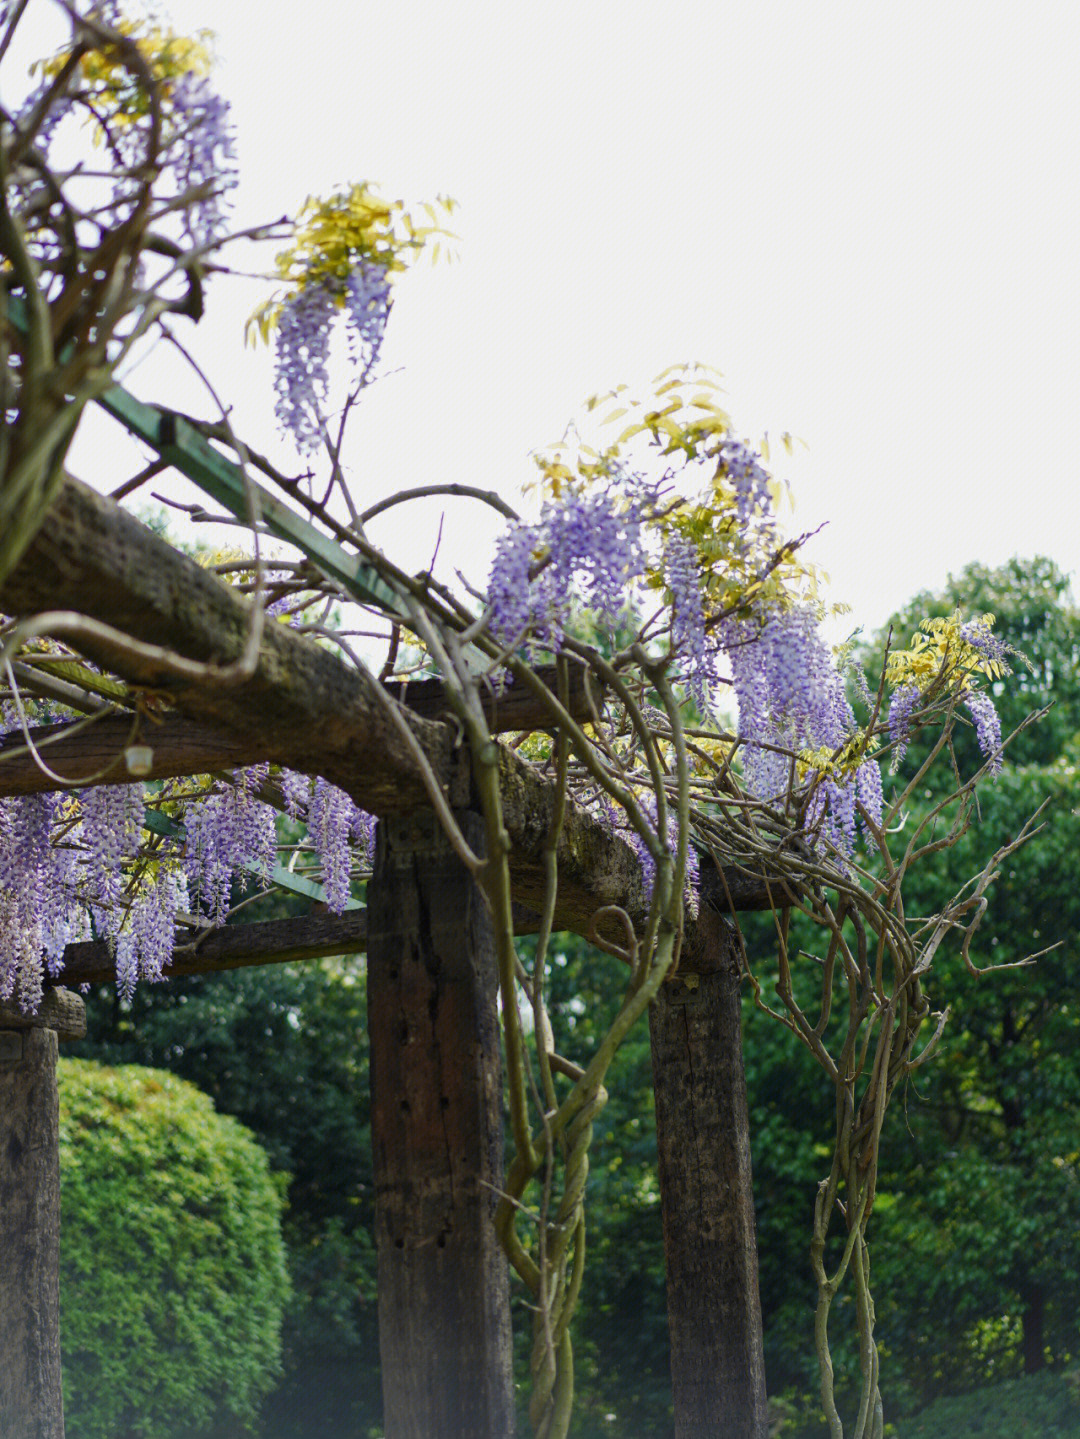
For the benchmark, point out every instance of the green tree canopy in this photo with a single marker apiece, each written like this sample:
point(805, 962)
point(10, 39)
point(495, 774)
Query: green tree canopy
point(988, 1225)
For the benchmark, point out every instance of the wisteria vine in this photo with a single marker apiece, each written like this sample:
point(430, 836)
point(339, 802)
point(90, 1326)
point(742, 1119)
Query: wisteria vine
point(724, 730)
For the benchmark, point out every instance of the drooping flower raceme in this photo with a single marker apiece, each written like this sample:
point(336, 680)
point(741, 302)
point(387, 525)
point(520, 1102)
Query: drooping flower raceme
point(302, 375)
point(715, 555)
point(346, 250)
point(585, 545)
point(227, 833)
point(987, 726)
point(330, 820)
point(144, 946)
point(904, 701)
point(194, 167)
point(201, 155)
point(688, 634)
point(24, 883)
point(333, 820)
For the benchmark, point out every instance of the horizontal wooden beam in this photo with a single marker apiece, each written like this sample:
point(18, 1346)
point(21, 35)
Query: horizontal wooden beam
point(235, 946)
point(179, 745)
point(304, 707)
point(244, 946)
point(301, 705)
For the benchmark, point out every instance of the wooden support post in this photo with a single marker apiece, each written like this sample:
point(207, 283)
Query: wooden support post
point(31, 1399)
point(706, 1196)
point(436, 1123)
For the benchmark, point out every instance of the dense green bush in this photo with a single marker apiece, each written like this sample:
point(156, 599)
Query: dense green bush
point(1038, 1406)
point(173, 1276)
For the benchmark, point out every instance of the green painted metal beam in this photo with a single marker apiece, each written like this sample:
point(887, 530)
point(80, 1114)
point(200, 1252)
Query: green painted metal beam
point(180, 443)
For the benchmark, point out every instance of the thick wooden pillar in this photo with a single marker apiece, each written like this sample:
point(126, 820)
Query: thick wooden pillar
point(31, 1399)
point(706, 1196)
point(436, 1121)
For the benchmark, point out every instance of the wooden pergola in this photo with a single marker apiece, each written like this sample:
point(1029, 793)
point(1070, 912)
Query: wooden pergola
point(432, 997)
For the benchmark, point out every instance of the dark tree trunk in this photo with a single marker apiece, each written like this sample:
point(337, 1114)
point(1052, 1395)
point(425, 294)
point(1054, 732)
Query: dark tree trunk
point(1033, 1296)
point(31, 1399)
point(714, 1311)
point(444, 1327)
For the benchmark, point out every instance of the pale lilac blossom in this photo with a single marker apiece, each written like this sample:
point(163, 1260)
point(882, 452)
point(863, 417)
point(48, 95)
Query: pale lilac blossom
point(987, 727)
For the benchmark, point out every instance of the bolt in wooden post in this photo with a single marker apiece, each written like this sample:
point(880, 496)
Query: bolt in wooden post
point(31, 1398)
point(706, 1196)
point(436, 1125)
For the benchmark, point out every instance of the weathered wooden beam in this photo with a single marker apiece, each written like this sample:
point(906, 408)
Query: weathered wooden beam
point(31, 1398)
point(179, 745)
point(513, 708)
point(304, 707)
point(706, 1196)
point(302, 703)
point(436, 1129)
point(235, 946)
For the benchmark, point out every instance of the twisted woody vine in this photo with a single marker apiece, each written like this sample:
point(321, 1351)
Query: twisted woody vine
point(724, 725)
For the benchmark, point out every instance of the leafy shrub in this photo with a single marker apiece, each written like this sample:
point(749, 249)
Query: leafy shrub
point(1037, 1406)
point(172, 1276)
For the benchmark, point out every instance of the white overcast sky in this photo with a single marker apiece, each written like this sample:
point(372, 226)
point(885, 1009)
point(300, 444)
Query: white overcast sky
point(867, 217)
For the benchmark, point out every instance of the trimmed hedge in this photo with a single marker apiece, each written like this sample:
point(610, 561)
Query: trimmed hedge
point(172, 1274)
point(1037, 1406)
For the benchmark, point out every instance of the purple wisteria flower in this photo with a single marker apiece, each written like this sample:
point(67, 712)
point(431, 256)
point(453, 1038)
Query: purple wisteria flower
point(144, 946)
point(109, 827)
point(302, 343)
point(509, 592)
point(616, 822)
point(367, 308)
point(296, 789)
point(901, 707)
point(833, 809)
point(302, 353)
point(689, 638)
point(980, 637)
point(24, 883)
point(591, 545)
point(60, 106)
point(791, 697)
point(362, 831)
point(868, 790)
point(201, 155)
point(333, 819)
point(987, 726)
point(789, 693)
point(751, 481)
point(227, 833)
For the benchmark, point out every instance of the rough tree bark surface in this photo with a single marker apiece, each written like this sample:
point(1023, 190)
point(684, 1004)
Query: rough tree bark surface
point(706, 1195)
point(31, 1398)
point(444, 1325)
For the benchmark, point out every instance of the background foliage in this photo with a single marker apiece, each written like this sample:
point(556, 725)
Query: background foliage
point(978, 1214)
point(173, 1273)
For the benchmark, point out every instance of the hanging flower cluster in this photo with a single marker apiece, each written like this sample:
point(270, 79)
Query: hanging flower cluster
point(949, 651)
point(334, 824)
point(736, 603)
point(704, 536)
point(345, 253)
point(194, 156)
point(76, 867)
